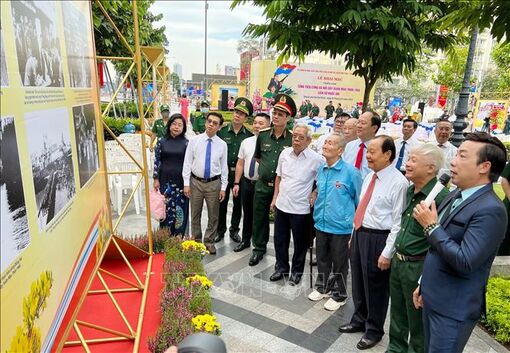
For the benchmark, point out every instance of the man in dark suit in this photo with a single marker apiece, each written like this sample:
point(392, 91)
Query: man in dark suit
point(464, 235)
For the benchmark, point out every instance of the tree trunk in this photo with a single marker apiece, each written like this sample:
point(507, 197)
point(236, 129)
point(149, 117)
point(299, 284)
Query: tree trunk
point(366, 96)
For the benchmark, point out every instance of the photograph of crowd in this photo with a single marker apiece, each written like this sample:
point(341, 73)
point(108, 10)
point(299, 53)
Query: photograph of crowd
point(78, 44)
point(14, 229)
point(4, 79)
point(49, 144)
point(37, 43)
point(86, 141)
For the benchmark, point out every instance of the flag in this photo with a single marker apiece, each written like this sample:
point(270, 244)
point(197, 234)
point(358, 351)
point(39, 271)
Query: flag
point(285, 69)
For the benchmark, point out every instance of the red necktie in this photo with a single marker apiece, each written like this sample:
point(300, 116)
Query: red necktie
point(362, 207)
point(359, 157)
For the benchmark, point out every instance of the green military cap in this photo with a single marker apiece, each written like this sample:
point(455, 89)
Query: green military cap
point(285, 103)
point(164, 107)
point(204, 103)
point(243, 105)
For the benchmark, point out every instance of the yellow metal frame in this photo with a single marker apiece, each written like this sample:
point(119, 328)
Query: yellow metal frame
point(133, 334)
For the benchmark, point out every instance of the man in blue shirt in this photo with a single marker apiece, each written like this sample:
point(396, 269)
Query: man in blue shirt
point(338, 190)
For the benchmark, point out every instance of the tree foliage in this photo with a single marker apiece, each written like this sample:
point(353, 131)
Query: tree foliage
point(176, 81)
point(107, 41)
point(378, 39)
point(493, 14)
point(451, 69)
point(501, 56)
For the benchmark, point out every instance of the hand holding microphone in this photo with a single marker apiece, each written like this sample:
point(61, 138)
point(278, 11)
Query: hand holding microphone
point(422, 212)
point(442, 182)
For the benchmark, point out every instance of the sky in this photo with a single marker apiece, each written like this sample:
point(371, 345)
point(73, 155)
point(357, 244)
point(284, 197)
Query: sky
point(184, 22)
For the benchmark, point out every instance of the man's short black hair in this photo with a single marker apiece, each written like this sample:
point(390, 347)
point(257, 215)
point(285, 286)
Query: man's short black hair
point(409, 120)
point(376, 120)
point(494, 151)
point(218, 115)
point(388, 145)
point(343, 115)
point(264, 115)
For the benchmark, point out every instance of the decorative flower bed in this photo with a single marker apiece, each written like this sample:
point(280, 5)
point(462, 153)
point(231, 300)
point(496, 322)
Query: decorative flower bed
point(497, 320)
point(185, 304)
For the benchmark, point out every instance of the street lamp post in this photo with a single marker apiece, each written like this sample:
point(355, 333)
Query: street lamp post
point(205, 54)
point(461, 110)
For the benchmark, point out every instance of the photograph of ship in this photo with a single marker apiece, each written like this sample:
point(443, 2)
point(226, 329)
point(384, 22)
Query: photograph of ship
point(49, 144)
point(86, 141)
point(37, 43)
point(78, 44)
point(15, 236)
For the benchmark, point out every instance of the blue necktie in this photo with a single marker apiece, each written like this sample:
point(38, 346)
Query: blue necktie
point(251, 171)
point(207, 169)
point(401, 155)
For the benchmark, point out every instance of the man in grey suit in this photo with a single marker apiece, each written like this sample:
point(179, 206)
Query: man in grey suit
point(464, 235)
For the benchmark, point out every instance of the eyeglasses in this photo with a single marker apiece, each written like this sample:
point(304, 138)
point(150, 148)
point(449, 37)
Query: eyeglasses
point(298, 137)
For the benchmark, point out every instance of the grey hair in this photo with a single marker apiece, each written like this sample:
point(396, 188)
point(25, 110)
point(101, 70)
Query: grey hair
point(341, 139)
point(434, 153)
point(304, 126)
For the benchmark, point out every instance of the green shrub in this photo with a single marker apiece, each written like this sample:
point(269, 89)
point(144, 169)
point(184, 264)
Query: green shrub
point(117, 125)
point(498, 308)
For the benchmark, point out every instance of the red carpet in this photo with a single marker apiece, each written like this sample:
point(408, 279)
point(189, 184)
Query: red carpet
point(99, 309)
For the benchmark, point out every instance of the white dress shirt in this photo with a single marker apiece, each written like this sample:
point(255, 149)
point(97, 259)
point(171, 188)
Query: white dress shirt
point(297, 175)
point(246, 151)
point(384, 210)
point(351, 153)
point(194, 159)
point(449, 151)
point(410, 144)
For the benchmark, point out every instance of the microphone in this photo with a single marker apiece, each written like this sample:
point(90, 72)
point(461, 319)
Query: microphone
point(440, 185)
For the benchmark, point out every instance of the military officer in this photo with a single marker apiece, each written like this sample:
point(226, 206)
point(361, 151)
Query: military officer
point(270, 143)
point(200, 119)
point(330, 109)
point(233, 134)
point(303, 109)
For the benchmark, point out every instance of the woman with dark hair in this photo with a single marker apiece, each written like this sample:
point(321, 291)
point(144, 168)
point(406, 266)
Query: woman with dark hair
point(169, 159)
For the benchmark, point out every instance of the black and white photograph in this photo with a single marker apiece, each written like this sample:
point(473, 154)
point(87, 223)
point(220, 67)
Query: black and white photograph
point(4, 78)
point(78, 43)
point(86, 141)
point(15, 236)
point(37, 43)
point(49, 144)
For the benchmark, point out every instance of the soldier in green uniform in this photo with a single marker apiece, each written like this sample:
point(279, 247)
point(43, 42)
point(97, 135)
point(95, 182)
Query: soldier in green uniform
point(315, 110)
point(199, 119)
point(233, 134)
point(270, 143)
point(406, 328)
point(303, 109)
point(159, 127)
point(309, 106)
point(339, 110)
point(330, 109)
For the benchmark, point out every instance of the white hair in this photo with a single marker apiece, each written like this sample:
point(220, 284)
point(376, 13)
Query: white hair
point(304, 126)
point(434, 153)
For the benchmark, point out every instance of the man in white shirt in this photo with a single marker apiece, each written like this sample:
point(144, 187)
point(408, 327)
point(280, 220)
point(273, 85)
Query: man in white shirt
point(338, 127)
point(205, 174)
point(356, 151)
point(295, 174)
point(376, 225)
point(245, 177)
point(405, 144)
point(443, 132)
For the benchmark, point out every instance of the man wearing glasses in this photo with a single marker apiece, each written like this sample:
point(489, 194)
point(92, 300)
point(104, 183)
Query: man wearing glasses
point(205, 174)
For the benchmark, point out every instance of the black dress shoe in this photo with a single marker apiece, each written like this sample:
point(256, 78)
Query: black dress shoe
point(276, 276)
point(241, 246)
point(255, 259)
point(349, 328)
point(294, 279)
point(235, 236)
point(365, 343)
point(219, 238)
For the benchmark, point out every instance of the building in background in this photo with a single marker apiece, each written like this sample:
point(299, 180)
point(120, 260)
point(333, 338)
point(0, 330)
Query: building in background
point(246, 59)
point(230, 70)
point(178, 69)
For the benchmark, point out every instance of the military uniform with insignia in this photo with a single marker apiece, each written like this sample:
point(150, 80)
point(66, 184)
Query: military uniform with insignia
point(269, 145)
point(233, 139)
point(199, 118)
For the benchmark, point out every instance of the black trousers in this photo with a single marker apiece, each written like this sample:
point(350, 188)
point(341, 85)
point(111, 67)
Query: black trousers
point(332, 255)
point(247, 193)
point(370, 285)
point(299, 224)
point(236, 211)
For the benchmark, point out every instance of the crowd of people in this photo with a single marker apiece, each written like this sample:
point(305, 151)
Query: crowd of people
point(360, 196)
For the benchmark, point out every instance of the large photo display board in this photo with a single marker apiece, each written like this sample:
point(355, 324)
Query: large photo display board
point(54, 213)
